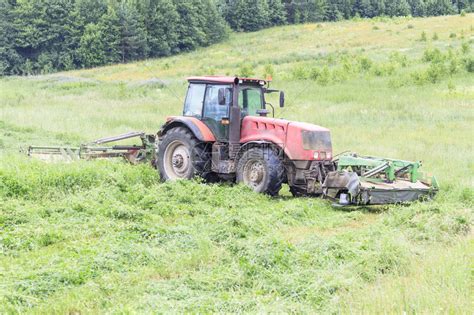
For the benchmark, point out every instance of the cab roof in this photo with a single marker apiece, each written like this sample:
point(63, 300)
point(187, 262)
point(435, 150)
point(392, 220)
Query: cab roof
point(226, 80)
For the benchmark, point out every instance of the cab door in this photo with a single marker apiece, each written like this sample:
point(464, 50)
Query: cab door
point(250, 100)
point(213, 112)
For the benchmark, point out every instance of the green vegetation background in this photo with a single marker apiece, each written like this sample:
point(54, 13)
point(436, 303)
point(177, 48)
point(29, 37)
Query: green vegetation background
point(43, 36)
point(95, 237)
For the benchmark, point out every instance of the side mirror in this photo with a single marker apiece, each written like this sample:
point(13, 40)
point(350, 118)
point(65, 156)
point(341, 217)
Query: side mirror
point(221, 96)
point(282, 99)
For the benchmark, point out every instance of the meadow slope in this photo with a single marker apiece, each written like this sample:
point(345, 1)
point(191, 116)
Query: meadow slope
point(93, 237)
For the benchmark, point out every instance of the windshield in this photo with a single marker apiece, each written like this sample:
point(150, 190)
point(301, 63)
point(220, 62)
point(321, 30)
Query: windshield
point(194, 100)
point(250, 100)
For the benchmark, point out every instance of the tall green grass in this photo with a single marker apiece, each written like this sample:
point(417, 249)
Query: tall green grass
point(107, 236)
point(102, 236)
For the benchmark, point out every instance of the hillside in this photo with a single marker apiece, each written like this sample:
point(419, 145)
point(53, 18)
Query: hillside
point(104, 236)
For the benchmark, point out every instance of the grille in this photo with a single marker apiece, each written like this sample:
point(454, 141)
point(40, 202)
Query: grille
point(316, 140)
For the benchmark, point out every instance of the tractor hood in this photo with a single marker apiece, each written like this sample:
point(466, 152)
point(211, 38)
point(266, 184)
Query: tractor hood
point(300, 141)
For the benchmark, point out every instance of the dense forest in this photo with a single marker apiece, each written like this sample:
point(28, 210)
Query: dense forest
point(41, 36)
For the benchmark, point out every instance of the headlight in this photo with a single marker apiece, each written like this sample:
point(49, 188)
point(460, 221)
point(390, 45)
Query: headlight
point(322, 155)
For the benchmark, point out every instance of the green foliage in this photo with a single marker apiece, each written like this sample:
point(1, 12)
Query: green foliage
point(277, 13)
point(397, 8)
point(433, 55)
point(400, 59)
point(324, 77)
point(439, 7)
point(246, 70)
point(268, 71)
point(92, 50)
point(132, 44)
point(300, 73)
point(162, 20)
point(465, 48)
point(469, 63)
point(435, 72)
point(365, 63)
point(423, 36)
point(42, 36)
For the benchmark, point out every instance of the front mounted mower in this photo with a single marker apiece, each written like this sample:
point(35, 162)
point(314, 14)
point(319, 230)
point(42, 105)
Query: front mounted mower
point(225, 133)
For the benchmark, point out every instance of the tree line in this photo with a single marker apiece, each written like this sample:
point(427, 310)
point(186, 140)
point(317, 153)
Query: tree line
point(252, 15)
point(41, 36)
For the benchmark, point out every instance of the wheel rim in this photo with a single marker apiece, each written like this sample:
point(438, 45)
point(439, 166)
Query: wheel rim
point(254, 174)
point(177, 160)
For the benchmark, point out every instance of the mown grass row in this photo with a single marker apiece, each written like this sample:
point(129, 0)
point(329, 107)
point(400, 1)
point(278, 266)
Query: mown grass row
point(193, 247)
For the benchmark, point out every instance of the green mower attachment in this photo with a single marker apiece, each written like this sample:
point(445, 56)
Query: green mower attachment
point(365, 180)
point(97, 149)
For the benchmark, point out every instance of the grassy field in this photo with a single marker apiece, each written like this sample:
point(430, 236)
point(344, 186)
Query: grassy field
point(94, 237)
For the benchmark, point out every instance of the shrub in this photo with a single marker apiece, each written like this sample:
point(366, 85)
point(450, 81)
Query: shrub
point(463, 13)
point(246, 70)
point(365, 63)
point(300, 73)
point(419, 77)
point(453, 66)
point(452, 35)
point(423, 36)
point(469, 64)
point(340, 75)
point(433, 55)
point(399, 58)
point(410, 26)
point(435, 36)
point(384, 69)
point(314, 73)
point(324, 77)
point(435, 72)
point(347, 66)
point(268, 71)
point(465, 48)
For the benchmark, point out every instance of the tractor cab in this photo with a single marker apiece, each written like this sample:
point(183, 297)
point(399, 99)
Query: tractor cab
point(212, 100)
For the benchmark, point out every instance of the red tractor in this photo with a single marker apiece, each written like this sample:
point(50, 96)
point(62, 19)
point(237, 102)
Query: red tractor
point(225, 132)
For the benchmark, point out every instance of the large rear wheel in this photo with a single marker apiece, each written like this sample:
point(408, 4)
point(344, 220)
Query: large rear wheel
point(262, 170)
point(182, 156)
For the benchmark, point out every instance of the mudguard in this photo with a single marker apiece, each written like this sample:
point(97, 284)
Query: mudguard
point(197, 127)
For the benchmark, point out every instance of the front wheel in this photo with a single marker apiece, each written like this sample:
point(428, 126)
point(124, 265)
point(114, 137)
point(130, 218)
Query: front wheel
point(262, 170)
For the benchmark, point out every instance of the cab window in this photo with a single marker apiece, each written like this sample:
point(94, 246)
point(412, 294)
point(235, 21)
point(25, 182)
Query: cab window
point(212, 108)
point(250, 100)
point(194, 100)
